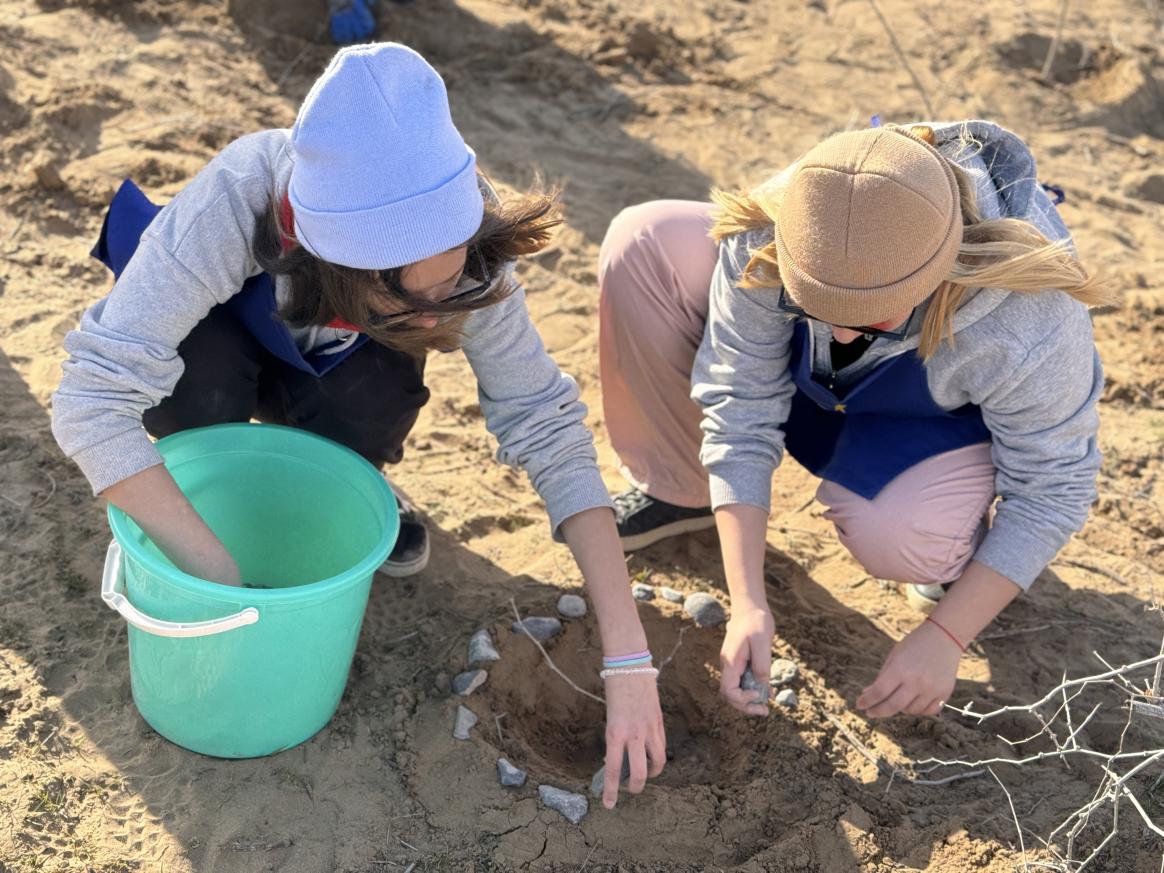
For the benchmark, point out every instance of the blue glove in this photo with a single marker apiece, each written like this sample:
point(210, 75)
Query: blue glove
point(351, 21)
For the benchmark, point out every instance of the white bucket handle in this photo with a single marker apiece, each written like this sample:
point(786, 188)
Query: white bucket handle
point(113, 578)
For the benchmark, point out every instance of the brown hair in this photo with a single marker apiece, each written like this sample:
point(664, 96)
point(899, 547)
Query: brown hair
point(1006, 253)
point(322, 291)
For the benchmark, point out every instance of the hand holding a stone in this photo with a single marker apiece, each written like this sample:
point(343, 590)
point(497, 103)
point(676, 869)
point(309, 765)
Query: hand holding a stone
point(747, 642)
point(634, 728)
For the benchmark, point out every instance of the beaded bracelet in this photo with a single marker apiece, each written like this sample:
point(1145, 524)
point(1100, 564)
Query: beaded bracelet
point(627, 671)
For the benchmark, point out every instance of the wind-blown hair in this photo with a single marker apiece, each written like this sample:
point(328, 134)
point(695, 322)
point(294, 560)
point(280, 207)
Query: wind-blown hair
point(322, 291)
point(1006, 253)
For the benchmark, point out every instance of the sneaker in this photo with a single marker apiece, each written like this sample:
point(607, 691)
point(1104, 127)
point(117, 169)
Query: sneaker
point(642, 519)
point(924, 598)
point(410, 553)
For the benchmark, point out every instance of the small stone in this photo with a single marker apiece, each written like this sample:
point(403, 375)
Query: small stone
point(598, 783)
point(464, 723)
point(47, 175)
point(783, 671)
point(571, 606)
point(749, 683)
point(541, 628)
point(671, 594)
point(787, 697)
point(481, 648)
point(466, 683)
point(441, 681)
point(573, 806)
point(642, 592)
point(509, 775)
point(705, 609)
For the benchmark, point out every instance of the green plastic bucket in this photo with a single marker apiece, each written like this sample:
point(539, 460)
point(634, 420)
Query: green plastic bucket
point(243, 672)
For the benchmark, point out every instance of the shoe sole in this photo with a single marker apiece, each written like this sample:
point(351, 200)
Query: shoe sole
point(687, 525)
point(919, 601)
point(400, 571)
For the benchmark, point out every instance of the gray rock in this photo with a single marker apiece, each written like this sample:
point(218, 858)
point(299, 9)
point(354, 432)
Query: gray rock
point(783, 671)
point(509, 775)
point(749, 682)
point(598, 783)
point(541, 628)
point(466, 683)
point(671, 594)
point(572, 806)
point(571, 606)
point(464, 723)
point(481, 648)
point(642, 592)
point(787, 697)
point(705, 609)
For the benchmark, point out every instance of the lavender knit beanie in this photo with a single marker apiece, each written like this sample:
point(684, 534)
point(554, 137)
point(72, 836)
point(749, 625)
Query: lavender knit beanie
point(381, 177)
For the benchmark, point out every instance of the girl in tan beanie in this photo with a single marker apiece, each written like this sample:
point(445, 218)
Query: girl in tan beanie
point(903, 312)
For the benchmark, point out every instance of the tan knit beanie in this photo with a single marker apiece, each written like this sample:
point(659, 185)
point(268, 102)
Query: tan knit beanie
point(869, 226)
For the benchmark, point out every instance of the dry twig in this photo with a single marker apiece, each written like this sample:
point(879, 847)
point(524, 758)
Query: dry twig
point(550, 660)
point(1113, 788)
point(904, 61)
point(1054, 47)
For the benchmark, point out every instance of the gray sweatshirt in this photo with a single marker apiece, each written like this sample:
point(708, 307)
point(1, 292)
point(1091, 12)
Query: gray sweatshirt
point(1027, 360)
point(196, 254)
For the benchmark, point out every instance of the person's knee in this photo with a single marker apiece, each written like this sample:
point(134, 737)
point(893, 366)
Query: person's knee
point(901, 547)
point(626, 242)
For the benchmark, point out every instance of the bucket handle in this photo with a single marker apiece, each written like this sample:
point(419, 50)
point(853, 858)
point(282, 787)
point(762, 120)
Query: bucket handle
point(113, 578)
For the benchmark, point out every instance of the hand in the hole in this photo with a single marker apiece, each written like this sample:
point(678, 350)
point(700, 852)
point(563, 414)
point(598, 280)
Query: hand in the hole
point(747, 642)
point(634, 726)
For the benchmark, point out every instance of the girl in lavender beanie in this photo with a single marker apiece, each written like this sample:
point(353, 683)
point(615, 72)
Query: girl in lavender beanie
point(300, 279)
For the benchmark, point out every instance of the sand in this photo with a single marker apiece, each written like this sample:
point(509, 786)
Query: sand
point(618, 103)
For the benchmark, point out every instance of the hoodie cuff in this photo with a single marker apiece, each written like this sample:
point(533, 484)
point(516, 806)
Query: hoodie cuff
point(1016, 553)
point(575, 492)
point(117, 458)
point(734, 482)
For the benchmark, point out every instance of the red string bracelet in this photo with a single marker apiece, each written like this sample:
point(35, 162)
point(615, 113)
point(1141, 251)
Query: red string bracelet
point(939, 626)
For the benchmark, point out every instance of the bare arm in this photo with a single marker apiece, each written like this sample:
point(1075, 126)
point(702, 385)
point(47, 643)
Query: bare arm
point(152, 498)
point(920, 672)
point(743, 533)
point(634, 719)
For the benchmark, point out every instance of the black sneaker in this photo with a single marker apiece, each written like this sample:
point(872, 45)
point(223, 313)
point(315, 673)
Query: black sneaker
point(642, 519)
point(410, 554)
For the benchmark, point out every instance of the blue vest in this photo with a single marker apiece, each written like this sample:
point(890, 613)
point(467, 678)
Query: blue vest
point(131, 212)
point(885, 423)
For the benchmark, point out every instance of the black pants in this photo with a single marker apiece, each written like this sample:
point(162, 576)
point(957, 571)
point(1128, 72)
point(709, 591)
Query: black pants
point(368, 403)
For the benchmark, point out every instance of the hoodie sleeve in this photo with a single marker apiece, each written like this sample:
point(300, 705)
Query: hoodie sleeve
point(123, 359)
point(741, 380)
point(1043, 421)
point(533, 410)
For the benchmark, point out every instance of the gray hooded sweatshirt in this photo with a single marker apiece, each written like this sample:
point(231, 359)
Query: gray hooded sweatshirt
point(1027, 360)
point(197, 253)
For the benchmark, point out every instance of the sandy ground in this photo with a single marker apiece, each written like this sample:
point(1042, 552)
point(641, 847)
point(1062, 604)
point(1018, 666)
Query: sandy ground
point(619, 103)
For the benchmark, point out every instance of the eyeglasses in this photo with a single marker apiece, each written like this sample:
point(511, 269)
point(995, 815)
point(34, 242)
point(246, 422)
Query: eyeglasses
point(897, 333)
point(475, 283)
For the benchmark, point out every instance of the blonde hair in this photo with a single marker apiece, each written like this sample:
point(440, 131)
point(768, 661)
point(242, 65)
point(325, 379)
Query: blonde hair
point(1006, 253)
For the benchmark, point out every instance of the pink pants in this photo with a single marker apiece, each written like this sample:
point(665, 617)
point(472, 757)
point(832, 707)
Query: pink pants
point(654, 272)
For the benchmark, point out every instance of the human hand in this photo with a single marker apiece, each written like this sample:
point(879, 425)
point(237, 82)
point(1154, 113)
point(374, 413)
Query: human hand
point(634, 730)
point(917, 677)
point(747, 642)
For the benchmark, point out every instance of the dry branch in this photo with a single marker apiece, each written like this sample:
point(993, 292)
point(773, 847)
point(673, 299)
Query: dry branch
point(550, 660)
